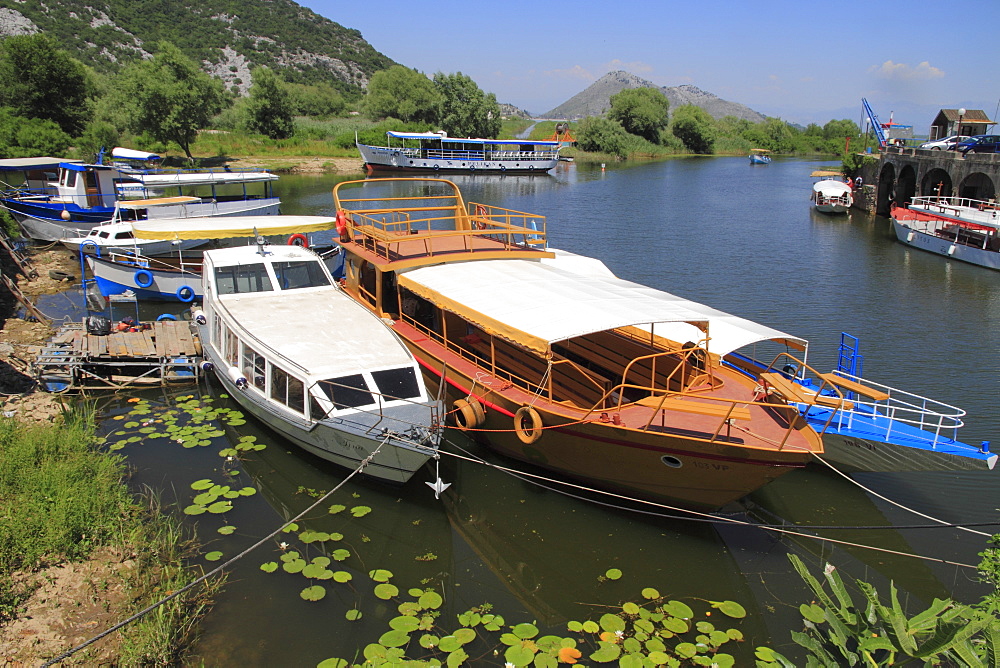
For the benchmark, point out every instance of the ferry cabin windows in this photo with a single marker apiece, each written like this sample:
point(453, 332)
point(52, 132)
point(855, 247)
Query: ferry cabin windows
point(397, 383)
point(287, 389)
point(254, 367)
point(302, 274)
point(348, 391)
point(242, 278)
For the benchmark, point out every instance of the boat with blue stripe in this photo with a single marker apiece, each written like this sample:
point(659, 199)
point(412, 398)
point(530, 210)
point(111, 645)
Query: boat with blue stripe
point(437, 152)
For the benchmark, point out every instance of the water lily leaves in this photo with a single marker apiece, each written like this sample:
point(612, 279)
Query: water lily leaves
point(394, 638)
point(380, 575)
point(429, 641)
point(317, 572)
point(735, 634)
point(331, 663)
point(723, 660)
point(360, 511)
point(228, 452)
point(196, 509)
point(294, 566)
point(590, 626)
point(630, 608)
point(430, 600)
point(213, 556)
point(314, 593)
point(519, 656)
point(569, 654)
point(337, 508)
point(464, 636)
point(678, 609)
point(457, 658)
point(634, 661)
point(704, 627)
point(204, 483)
point(730, 609)
point(492, 622)
point(291, 528)
point(220, 507)
point(812, 613)
point(686, 650)
point(291, 555)
point(342, 577)
point(449, 644)
point(606, 652)
point(353, 615)
point(386, 591)
point(613, 574)
point(406, 623)
point(226, 530)
point(612, 623)
point(248, 491)
point(574, 626)
point(269, 567)
point(206, 498)
point(525, 631)
point(341, 554)
point(675, 625)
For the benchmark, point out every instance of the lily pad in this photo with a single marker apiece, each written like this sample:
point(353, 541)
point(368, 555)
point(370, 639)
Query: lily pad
point(314, 593)
point(269, 567)
point(385, 591)
point(213, 556)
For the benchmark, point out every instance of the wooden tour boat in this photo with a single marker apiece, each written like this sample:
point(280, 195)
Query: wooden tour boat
point(957, 227)
point(599, 379)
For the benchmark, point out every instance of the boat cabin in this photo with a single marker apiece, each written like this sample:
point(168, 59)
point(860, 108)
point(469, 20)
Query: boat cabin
point(63, 181)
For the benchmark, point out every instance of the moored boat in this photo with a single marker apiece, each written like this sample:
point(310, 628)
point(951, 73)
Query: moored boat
point(59, 198)
point(436, 152)
point(118, 236)
point(832, 196)
point(760, 156)
point(566, 370)
point(312, 364)
point(960, 228)
point(178, 277)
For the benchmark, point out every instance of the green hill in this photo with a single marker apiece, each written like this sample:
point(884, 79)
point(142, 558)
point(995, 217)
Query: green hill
point(228, 37)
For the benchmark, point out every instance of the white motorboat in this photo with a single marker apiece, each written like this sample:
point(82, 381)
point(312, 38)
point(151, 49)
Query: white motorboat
point(957, 227)
point(431, 152)
point(832, 196)
point(314, 365)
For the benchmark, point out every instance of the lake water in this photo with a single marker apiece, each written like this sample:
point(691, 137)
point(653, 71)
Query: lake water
point(742, 239)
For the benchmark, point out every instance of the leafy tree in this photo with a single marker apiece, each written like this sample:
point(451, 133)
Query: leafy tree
point(603, 135)
point(840, 129)
point(403, 93)
point(464, 110)
point(268, 111)
point(22, 137)
point(772, 133)
point(98, 135)
point(695, 127)
point(168, 97)
point(320, 100)
point(641, 111)
point(38, 80)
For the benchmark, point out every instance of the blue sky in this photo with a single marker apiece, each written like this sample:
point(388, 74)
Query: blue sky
point(802, 61)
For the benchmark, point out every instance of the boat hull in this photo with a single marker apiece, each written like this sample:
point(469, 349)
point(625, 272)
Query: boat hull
point(933, 243)
point(854, 453)
point(343, 442)
point(46, 224)
point(676, 470)
point(832, 208)
point(385, 159)
point(114, 278)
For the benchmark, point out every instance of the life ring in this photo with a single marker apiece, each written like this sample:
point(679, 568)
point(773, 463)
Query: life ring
point(298, 240)
point(166, 316)
point(469, 413)
point(528, 424)
point(143, 278)
point(341, 221)
point(88, 242)
point(185, 293)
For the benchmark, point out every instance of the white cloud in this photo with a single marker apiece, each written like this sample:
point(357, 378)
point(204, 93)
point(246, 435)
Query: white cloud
point(903, 72)
point(576, 72)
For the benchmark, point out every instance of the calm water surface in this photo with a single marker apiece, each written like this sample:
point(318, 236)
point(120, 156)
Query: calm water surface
point(742, 239)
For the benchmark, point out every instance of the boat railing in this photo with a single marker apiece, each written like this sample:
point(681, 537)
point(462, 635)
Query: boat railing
point(139, 261)
point(900, 407)
point(381, 400)
point(953, 204)
point(467, 154)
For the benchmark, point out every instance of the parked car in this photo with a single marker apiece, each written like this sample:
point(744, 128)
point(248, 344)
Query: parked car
point(945, 143)
point(979, 144)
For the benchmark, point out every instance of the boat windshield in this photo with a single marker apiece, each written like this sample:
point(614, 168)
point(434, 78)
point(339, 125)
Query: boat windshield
point(242, 278)
point(299, 274)
point(397, 383)
point(347, 391)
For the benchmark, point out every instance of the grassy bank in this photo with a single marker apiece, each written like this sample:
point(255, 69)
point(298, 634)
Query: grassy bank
point(78, 553)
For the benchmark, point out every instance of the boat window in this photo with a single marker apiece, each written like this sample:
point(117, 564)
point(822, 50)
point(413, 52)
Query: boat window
point(254, 366)
point(103, 235)
point(397, 383)
point(124, 235)
point(287, 389)
point(70, 178)
point(300, 274)
point(242, 278)
point(348, 391)
point(232, 347)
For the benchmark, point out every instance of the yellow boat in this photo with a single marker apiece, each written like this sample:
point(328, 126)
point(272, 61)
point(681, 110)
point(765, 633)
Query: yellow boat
point(550, 359)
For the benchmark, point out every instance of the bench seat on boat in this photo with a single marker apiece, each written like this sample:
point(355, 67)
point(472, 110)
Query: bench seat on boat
point(794, 392)
point(853, 386)
point(715, 409)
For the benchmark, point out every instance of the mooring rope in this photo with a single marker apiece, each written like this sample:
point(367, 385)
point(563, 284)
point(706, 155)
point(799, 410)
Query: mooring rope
point(145, 611)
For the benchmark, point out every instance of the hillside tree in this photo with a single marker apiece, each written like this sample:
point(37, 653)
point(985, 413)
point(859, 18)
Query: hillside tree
point(39, 80)
point(641, 111)
point(464, 110)
point(269, 110)
point(597, 134)
point(695, 127)
point(168, 97)
point(403, 93)
point(22, 137)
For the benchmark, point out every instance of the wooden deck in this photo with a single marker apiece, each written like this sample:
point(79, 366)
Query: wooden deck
point(74, 359)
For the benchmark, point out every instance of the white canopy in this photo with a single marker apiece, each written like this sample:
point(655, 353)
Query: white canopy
point(425, 136)
point(831, 188)
point(132, 154)
point(223, 227)
point(539, 304)
point(167, 179)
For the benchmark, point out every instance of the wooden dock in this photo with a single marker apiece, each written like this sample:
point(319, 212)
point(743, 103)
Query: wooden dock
point(167, 353)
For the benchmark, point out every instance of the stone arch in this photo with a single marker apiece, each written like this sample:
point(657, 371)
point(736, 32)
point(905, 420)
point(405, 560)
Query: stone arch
point(906, 185)
point(934, 179)
point(886, 188)
point(977, 185)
